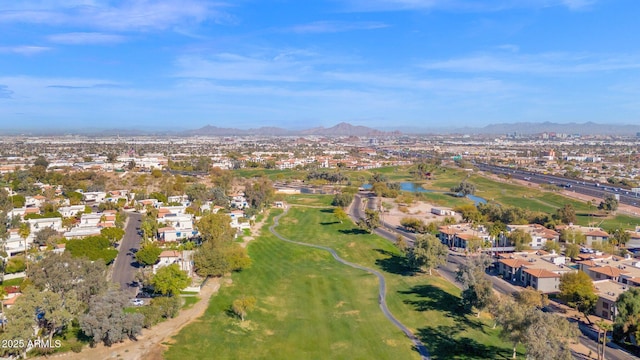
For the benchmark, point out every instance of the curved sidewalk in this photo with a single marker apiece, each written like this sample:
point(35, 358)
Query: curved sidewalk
point(424, 353)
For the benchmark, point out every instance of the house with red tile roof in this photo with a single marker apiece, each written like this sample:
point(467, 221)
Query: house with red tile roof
point(606, 272)
point(539, 234)
point(592, 234)
point(537, 269)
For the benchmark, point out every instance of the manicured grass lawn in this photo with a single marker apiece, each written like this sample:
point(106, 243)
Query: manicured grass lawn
point(426, 304)
point(271, 174)
point(308, 307)
point(313, 200)
point(12, 282)
point(189, 301)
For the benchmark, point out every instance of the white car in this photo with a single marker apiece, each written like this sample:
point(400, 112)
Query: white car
point(137, 302)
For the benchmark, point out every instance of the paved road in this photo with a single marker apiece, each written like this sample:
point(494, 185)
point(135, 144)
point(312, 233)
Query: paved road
point(424, 353)
point(390, 233)
point(125, 266)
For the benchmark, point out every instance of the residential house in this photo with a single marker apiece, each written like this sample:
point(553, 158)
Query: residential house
point(181, 223)
point(181, 199)
point(537, 269)
point(167, 233)
point(35, 201)
point(539, 234)
point(239, 201)
point(72, 210)
point(608, 292)
point(634, 239)
point(184, 259)
point(606, 272)
point(94, 196)
point(39, 224)
point(15, 244)
point(149, 202)
point(115, 195)
point(592, 234)
point(238, 220)
point(90, 220)
point(458, 236)
point(82, 232)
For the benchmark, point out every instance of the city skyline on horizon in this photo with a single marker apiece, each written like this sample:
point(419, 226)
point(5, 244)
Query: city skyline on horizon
point(379, 63)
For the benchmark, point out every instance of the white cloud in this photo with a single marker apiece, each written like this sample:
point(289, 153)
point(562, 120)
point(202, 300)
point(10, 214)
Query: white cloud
point(545, 63)
point(24, 49)
point(460, 5)
point(82, 38)
point(578, 4)
point(319, 27)
point(5, 92)
point(130, 15)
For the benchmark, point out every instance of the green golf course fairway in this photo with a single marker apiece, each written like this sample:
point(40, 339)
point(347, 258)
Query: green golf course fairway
point(308, 307)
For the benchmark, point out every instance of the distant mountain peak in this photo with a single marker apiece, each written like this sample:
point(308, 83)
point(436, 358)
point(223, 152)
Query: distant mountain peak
point(341, 129)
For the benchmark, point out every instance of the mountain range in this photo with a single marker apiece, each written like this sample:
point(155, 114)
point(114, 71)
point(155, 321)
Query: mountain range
point(341, 129)
point(346, 129)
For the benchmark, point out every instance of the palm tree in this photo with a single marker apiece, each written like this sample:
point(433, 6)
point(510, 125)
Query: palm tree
point(3, 293)
point(24, 232)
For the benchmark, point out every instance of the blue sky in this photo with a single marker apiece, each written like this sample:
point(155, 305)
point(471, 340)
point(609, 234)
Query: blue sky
point(183, 64)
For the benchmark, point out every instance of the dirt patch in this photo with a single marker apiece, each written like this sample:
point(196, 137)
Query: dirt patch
point(419, 210)
point(391, 342)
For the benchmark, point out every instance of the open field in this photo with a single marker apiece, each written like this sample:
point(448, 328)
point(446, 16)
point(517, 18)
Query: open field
point(308, 307)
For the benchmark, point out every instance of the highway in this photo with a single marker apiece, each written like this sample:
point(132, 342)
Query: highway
point(125, 266)
point(598, 191)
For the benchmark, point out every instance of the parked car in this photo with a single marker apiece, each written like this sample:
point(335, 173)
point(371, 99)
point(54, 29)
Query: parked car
point(137, 302)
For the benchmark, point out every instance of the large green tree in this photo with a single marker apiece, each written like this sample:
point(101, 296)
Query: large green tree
point(609, 203)
point(477, 289)
point(371, 220)
point(148, 254)
point(545, 336)
point(93, 248)
point(566, 214)
point(627, 323)
point(169, 280)
point(576, 288)
point(69, 276)
point(106, 320)
point(427, 253)
point(113, 234)
point(572, 236)
point(216, 229)
point(215, 261)
point(520, 239)
point(242, 305)
point(260, 193)
point(464, 188)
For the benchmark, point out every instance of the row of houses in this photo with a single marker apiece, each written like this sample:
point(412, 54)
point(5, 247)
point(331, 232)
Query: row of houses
point(459, 235)
point(611, 275)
